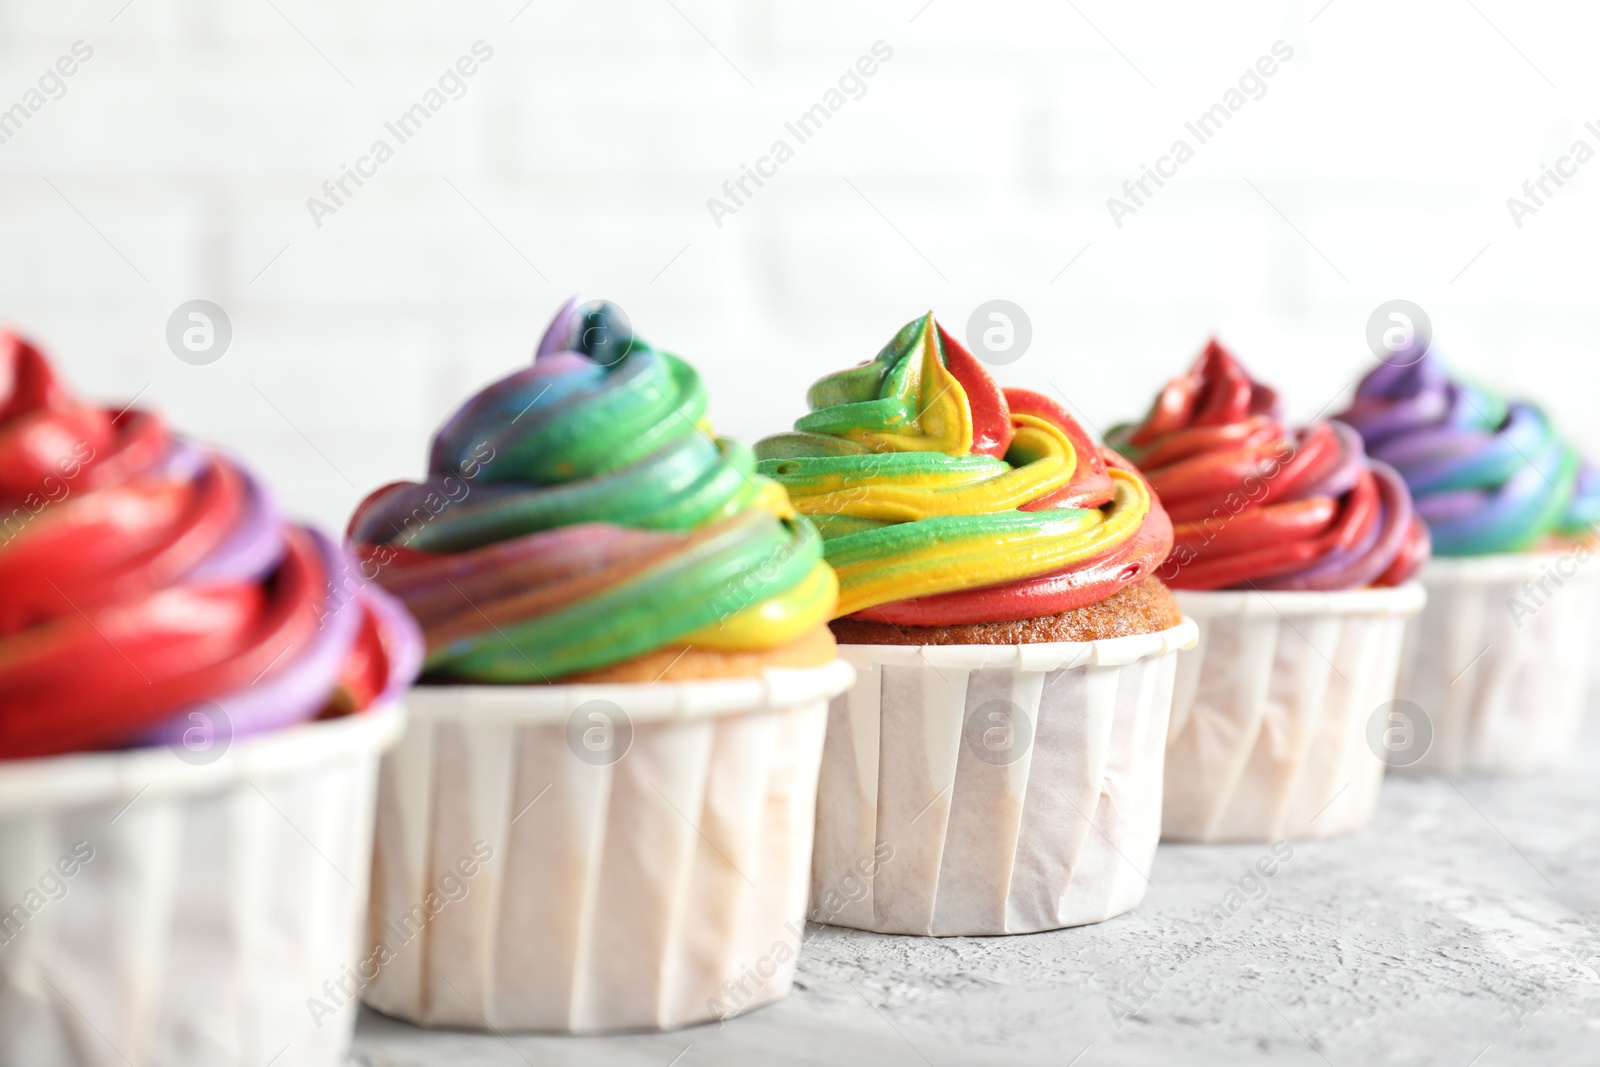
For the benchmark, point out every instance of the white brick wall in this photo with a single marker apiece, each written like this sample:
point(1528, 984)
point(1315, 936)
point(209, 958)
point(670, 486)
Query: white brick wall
point(593, 137)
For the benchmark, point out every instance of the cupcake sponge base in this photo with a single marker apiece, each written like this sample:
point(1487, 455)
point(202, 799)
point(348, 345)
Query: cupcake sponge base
point(685, 664)
point(1145, 608)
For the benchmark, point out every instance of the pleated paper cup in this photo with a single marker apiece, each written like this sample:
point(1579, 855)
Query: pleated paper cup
point(589, 858)
point(993, 789)
point(1272, 721)
point(1499, 663)
point(163, 913)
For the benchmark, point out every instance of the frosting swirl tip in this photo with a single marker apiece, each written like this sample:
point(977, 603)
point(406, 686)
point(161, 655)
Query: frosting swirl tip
point(944, 499)
point(1257, 504)
point(580, 512)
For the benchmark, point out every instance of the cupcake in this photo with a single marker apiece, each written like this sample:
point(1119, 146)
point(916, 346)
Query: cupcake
point(997, 767)
point(193, 696)
point(1293, 551)
point(1497, 665)
point(627, 671)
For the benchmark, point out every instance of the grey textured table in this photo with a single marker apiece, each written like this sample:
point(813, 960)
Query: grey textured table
point(1462, 928)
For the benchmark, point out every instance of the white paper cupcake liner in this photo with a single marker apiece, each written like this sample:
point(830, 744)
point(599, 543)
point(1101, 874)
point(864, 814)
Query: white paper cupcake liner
point(597, 857)
point(1269, 736)
point(1500, 666)
point(993, 789)
point(155, 913)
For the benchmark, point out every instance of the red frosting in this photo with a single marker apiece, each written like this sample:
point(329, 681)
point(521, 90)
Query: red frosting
point(1091, 485)
point(991, 415)
point(139, 573)
point(1255, 503)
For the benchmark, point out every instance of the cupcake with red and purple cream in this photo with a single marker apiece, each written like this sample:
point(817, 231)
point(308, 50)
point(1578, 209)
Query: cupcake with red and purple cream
point(194, 694)
point(1294, 551)
point(144, 576)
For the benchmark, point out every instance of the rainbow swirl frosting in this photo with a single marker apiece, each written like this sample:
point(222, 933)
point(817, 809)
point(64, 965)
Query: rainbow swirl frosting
point(146, 580)
point(1258, 505)
point(945, 500)
point(579, 513)
point(1488, 475)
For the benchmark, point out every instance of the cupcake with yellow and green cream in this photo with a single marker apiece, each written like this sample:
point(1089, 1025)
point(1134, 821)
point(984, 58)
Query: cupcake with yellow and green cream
point(957, 512)
point(997, 766)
